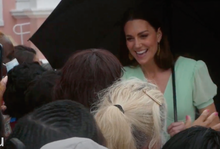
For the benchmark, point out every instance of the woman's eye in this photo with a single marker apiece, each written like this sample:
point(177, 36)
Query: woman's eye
point(129, 39)
point(144, 36)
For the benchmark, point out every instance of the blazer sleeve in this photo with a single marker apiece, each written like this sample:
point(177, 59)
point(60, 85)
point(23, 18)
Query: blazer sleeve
point(204, 89)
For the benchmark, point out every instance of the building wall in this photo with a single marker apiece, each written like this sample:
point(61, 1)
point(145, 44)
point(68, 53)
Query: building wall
point(9, 21)
point(14, 12)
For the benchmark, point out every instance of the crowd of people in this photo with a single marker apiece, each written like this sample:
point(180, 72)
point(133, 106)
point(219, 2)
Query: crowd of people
point(96, 101)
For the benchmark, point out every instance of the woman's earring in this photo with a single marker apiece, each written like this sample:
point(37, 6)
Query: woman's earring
point(130, 56)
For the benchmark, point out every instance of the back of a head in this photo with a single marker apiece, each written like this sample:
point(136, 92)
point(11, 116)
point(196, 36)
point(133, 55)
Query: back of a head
point(132, 115)
point(74, 143)
point(54, 121)
point(40, 90)
point(18, 79)
point(86, 73)
point(195, 138)
point(8, 48)
point(24, 54)
point(24, 48)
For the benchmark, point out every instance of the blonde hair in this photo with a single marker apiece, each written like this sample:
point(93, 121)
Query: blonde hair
point(7, 38)
point(131, 115)
point(1, 34)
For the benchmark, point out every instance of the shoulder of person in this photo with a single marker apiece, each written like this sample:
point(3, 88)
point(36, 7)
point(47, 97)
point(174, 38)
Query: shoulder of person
point(132, 71)
point(129, 69)
point(190, 64)
point(186, 61)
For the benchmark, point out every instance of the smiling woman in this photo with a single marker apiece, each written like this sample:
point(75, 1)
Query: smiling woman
point(141, 40)
point(147, 56)
point(148, 33)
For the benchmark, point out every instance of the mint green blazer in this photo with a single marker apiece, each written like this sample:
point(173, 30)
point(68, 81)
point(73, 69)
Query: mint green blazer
point(194, 87)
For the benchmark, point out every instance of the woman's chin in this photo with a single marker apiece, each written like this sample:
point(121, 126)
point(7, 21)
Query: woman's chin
point(142, 62)
point(145, 61)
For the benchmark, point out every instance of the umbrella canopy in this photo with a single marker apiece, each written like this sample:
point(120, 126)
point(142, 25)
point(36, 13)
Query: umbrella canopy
point(75, 25)
point(193, 28)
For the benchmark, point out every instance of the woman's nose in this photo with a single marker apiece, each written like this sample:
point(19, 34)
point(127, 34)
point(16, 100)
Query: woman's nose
point(137, 43)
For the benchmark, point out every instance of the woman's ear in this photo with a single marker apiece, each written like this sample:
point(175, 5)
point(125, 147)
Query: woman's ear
point(159, 35)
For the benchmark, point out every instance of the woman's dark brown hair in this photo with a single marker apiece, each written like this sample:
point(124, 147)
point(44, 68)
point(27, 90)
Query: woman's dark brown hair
point(165, 58)
point(86, 73)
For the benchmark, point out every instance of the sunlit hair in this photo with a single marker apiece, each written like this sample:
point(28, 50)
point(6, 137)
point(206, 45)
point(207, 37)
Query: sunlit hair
point(4, 37)
point(7, 46)
point(1, 34)
point(141, 121)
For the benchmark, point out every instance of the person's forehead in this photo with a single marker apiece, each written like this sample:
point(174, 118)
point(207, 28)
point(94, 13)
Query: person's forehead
point(137, 25)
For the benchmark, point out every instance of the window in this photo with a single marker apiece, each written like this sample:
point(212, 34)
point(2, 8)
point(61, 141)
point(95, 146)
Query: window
point(1, 14)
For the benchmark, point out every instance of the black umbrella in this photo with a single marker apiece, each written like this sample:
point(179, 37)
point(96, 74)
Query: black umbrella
point(192, 28)
point(75, 25)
